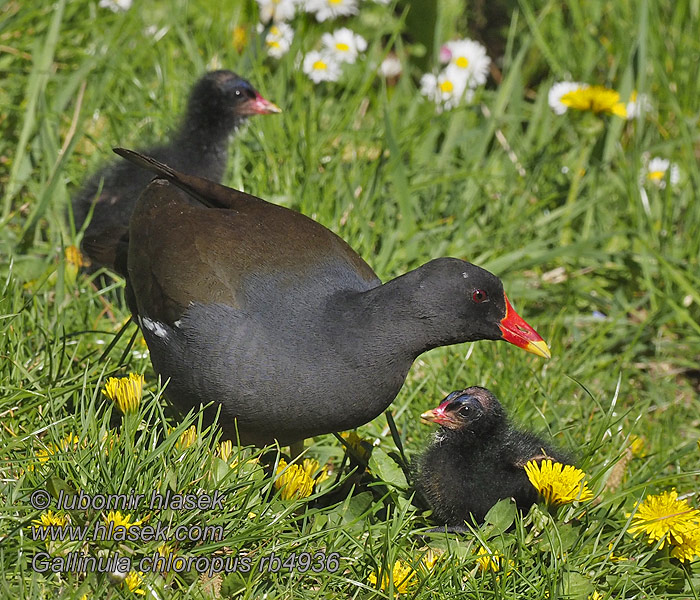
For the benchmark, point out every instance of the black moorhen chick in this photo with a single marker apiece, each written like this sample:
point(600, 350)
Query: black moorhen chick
point(476, 459)
point(276, 320)
point(219, 103)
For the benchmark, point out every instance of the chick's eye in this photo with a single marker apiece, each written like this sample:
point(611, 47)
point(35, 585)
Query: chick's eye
point(479, 296)
point(464, 411)
point(237, 92)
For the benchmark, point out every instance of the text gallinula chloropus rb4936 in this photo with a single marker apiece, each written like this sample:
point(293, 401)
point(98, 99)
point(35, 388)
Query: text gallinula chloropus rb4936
point(219, 103)
point(277, 320)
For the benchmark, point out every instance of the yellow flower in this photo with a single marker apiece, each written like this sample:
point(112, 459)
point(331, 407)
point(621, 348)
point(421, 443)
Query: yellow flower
point(165, 550)
point(402, 575)
point(488, 560)
point(430, 558)
point(314, 470)
point(612, 556)
point(187, 438)
point(293, 481)
point(240, 38)
point(125, 392)
point(665, 518)
point(558, 483)
point(361, 448)
point(225, 450)
point(597, 99)
point(74, 257)
point(108, 440)
point(637, 446)
point(133, 582)
point(689, 547)
point(69, 442)
point(116, 517)
point(50, 518)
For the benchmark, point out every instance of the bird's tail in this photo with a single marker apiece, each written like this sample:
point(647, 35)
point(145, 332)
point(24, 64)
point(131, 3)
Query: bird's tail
point(209, 193)
point(148, 163)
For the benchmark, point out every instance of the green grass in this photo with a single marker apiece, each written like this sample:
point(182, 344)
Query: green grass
point(402, 184)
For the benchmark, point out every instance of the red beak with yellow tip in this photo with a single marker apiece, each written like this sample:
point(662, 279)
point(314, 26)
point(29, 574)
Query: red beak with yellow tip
point(516, 331)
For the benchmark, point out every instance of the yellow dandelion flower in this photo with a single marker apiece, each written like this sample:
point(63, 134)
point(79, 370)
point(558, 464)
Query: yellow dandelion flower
point(689, 547)
point(108, 440)
point(637, 446)
point(558, 483)
point(612, 556)
point(665, 518)
point(74, 257)
point(50, 518)
point(430, 558)
point(69, 442)
point(293, 481)
point(225, 450)
point(43, 453)
point(595, 98)
point(133, 583)
point(187, 438)
point(125, 392)
point(488, 560)
point(240, 38)
point(314, 470)
point(116, 517)
point(165, 550)
point(596, 595)
point(402, 574)
point(311, 466)
point(361, 448)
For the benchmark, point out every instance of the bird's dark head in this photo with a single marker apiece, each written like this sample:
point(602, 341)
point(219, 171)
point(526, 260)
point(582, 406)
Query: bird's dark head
point(474, 409)
point(222, 96)
point(471, 302)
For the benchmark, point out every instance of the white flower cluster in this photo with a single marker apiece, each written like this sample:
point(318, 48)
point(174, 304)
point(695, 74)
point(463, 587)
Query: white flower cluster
point(467, 67)
point(341, 46)
point(283, 10)
point(115, 5)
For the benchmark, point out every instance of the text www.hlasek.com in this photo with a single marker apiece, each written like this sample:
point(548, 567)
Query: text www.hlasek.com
point(160, 532)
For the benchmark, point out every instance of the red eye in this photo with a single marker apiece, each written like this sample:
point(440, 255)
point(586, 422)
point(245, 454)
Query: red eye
point(479, 296)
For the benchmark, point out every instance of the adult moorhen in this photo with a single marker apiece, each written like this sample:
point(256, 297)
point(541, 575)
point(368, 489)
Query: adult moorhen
point(276, 320)
point(476, 459)
point(219, 103)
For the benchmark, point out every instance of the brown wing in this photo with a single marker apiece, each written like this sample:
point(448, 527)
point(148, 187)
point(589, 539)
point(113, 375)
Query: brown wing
point(251, 251)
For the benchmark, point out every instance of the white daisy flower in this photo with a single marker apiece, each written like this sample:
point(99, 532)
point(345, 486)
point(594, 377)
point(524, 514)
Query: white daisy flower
point(116, 5)
point(344, 44)
point(468, 58)
point(637, 105)
point(330, 9)
point(279, 39)
point(319, 66)
point(391, 67)
point(658, 170)
point(276, 10)
point(446, 89)
point(560, 89)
